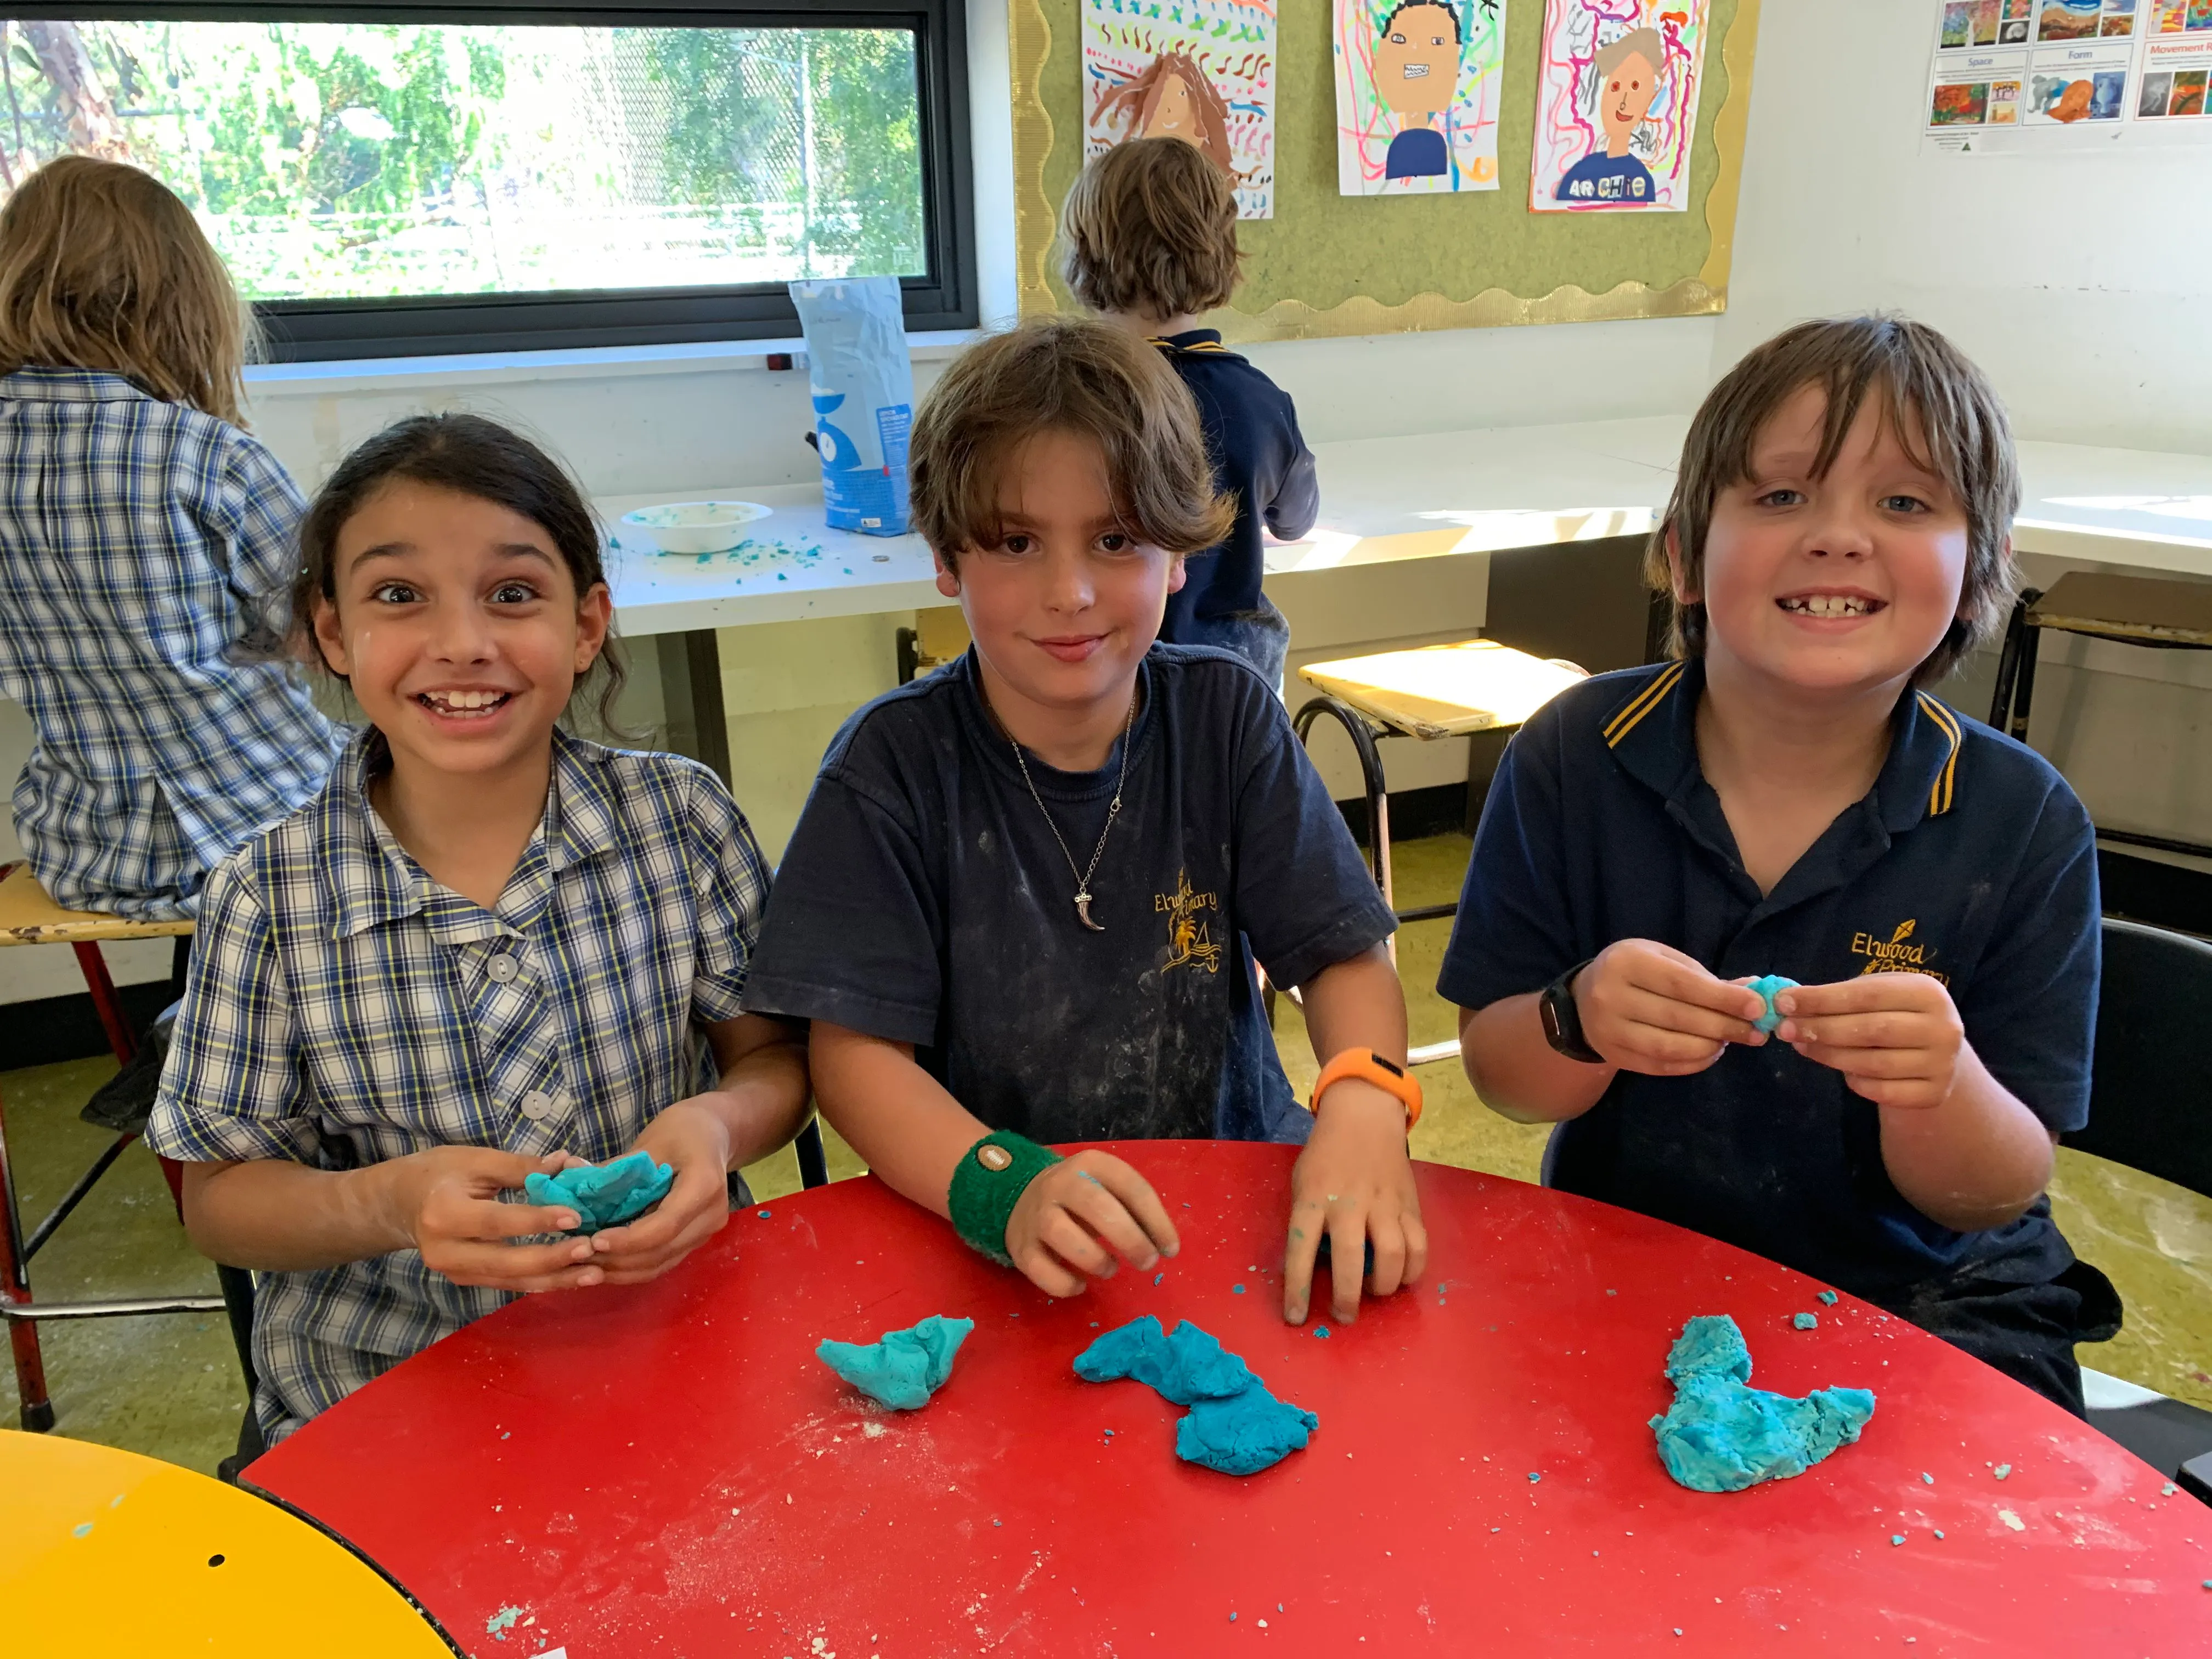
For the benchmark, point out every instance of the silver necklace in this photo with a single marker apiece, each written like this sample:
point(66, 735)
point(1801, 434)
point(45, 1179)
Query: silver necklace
point(1113, 810)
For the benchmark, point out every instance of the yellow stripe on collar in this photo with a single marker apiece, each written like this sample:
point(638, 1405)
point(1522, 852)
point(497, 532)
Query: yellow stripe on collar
point(1940, 792)
point(1645, 701)
point(1198, 345)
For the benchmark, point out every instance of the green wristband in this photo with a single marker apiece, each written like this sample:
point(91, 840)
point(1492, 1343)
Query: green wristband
point(983, 1198)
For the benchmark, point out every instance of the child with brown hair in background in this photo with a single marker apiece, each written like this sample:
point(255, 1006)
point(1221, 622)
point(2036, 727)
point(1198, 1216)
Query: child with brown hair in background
point(1150, 231)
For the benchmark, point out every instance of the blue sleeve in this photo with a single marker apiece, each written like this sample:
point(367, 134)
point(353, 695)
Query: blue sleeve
point(854, 925)
point(729, 879)
point(2030, 1010)
point(1297, 501)
point(1304, 897)
point(1515, 929)
point(235, 1088)
point(260, 511)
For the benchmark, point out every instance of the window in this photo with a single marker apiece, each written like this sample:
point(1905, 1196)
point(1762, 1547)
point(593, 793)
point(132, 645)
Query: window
point(393, 180)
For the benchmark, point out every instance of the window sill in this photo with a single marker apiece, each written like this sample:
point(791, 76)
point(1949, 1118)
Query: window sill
point(266, 380)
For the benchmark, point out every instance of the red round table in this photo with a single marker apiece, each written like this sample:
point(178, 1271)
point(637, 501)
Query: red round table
point(669, 1470)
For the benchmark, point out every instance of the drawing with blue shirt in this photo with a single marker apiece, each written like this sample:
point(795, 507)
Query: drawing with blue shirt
point(1416, 74)
point(1628, 83)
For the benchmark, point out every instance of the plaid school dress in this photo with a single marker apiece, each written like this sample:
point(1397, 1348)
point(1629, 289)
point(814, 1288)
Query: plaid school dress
point(137, 538)
point(345, 1009)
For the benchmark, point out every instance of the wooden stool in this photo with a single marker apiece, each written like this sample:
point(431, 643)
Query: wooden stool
point(1434, 692)
point(939, 635)
point(27, 916)
point(2154, 612)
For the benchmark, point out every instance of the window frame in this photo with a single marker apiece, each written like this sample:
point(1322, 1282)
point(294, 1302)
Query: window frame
point(319, 330)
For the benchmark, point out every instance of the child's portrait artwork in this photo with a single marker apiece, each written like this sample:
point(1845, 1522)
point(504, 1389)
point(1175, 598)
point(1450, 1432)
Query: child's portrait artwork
point(1617, 104)
point(1199, 70)
point(1417, 91)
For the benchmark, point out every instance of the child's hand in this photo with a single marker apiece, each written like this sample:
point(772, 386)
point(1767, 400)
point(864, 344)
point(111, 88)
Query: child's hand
point(1897, 1038)
point(1353, 1183)
point(445, 1202)
point(1078, 1215)
point(692, 1140)
point(1647, 1007)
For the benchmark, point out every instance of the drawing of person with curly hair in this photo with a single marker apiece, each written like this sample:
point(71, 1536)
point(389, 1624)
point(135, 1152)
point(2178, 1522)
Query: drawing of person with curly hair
point(1173, 99)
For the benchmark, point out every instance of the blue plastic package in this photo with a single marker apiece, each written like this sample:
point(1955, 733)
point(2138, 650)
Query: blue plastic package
point(862, 382)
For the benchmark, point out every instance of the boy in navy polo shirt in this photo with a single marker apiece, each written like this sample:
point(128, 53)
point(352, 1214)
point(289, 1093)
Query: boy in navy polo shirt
point(1150, 231)
point(1785, 798)
point(1012, 907)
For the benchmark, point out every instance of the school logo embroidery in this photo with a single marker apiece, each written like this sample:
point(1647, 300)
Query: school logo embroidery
point(1894, 955)
point(1188, 942)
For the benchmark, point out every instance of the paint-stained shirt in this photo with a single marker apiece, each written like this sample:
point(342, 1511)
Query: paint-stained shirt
point(1969, 860)
point(925, 899)
point(1260, 460)
point(139, 539)
point(345, 1009)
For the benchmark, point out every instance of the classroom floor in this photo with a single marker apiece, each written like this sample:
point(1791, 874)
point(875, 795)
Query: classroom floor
point(170, 1386)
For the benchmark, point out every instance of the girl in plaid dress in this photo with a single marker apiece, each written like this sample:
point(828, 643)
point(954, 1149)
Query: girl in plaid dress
point(487, 948)
point(141, 530)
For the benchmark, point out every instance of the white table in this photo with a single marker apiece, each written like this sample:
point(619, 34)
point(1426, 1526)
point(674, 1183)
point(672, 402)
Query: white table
point(1383, 500)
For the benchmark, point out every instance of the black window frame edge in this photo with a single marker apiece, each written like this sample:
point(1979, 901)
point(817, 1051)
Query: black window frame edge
point(309, 331)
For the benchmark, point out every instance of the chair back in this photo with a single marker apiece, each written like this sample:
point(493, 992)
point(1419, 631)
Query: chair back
point(2150, 1096)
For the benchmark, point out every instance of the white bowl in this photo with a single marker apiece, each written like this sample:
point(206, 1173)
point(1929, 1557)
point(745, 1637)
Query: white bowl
point(695, 526)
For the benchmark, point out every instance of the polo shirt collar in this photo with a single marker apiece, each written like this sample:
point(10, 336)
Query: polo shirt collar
point(374, 880)
point(1653, 733)
point(38, 383)
point(1206, 340)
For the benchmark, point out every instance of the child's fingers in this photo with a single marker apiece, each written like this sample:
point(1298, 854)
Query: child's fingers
point(1417, 1246)
point(1685, 1018)
point(1679, 979)
point(1039, 1266)
point(1066, 1237)
point(1090, 1202)
point(1890, 1029)
point(1864, 993)
point(1347, 1252)
point(1138, 1199)
point(1656, 1049)
point(514, 1266)
point(1308, 1222)
point(699, 1190)
point(1870, 1062)
point(1388, 1238)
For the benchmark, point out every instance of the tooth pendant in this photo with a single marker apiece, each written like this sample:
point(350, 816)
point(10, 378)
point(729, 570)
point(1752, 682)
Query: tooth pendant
point(1083, 914)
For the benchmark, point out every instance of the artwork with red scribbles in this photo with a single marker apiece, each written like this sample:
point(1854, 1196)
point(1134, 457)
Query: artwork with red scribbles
point(1417, 90)
point(1199, 70)
point(1617, 106)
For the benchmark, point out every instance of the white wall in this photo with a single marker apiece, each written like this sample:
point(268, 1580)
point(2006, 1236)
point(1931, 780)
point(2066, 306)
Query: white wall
point(2078, 280)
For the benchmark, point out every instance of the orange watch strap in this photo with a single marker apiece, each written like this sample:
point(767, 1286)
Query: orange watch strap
point(1371, 1067)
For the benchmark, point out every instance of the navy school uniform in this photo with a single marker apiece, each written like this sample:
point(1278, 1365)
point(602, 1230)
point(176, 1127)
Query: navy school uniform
point(1969, 861)
point(923, 899)
point(1259, 458)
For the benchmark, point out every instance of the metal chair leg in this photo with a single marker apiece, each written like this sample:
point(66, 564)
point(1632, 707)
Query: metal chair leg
point(106, 1003)
point(2008, 661)
point(37, 1408)
point(2023, 703)
point(813, 1158)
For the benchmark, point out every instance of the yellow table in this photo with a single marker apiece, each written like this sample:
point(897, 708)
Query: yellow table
point(107, 1553)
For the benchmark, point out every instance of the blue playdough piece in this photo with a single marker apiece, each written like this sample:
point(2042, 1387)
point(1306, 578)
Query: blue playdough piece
point(605, 1195)
point(1769, 986)
point(905, 1367)
point(1189, 1366)
point(1245, 1434)
point(1828, 1296)
point(1722, 1435)
point(1805, 1321)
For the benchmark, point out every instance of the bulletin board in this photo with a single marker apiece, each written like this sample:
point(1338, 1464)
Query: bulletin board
point(1332, 264)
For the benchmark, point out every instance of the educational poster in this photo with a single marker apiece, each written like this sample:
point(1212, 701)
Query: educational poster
point(2063, 73)
point(1199, 70)
point(1417, 92)
point(1617, 104)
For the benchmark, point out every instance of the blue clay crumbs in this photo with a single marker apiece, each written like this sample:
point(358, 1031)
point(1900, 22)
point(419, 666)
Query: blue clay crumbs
point(1927, 1478)
point(1533, 1477)
point(1805, 1321)
point(1828, 1296)
point(763, 1214)
point(81, 1530)
point(2002, 1470)
point(1322, 1330)
point(1232, 1618)
point(1939, 1532)
point(503, 1619)
point(1896, 1538)
point(1235, 1290)
point(1157, 1277)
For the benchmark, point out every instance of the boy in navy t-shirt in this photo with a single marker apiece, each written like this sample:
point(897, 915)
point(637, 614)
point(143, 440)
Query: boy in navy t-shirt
point(1785, 798)
point(1011, 909)
point(1149, 234)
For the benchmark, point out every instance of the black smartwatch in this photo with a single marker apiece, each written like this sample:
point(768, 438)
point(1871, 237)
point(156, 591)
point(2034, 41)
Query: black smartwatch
point(1563, 1021)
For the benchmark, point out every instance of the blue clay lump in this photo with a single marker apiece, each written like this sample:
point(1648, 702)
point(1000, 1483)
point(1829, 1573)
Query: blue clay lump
point(1769, 987)
point(903, 1369)
point(1721, 1435)
point(1234, 1425)
point(605, 1195)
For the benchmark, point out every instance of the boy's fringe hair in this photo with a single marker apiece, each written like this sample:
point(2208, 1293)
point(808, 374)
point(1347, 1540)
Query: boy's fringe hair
point(102, 267)
point(1064, 374)
point(469, 456)
point(1150, 226)
point(1937, 402)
